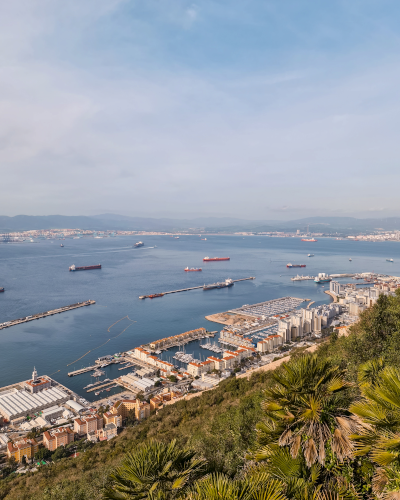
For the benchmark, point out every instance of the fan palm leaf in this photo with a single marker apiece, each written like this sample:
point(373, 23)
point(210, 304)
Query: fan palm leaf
point(155, 470)
point(304, 405)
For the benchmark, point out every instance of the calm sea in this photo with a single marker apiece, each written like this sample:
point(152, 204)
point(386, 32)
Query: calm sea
point(36, 279)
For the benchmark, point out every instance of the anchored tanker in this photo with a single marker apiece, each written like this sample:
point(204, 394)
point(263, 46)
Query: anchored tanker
point(211, 259)
point(195, 269)
point(295, 265)
point(84, 268)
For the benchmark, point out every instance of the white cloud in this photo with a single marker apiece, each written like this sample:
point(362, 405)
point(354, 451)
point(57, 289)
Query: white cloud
point(74, 139)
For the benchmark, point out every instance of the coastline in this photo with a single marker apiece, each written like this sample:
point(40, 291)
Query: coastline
point(332, 295)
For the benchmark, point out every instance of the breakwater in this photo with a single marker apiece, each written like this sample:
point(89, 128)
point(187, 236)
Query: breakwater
point(18, 321)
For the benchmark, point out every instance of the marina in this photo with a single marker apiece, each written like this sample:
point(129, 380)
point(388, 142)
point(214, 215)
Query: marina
point(7, 324)
point(211, 347)
point(191, 288)
point(269, 308)
point(185, 358)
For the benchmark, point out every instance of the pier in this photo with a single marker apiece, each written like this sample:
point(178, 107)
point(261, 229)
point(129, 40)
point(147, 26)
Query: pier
point(92, 389)
point(82, 370)
point(7, 324)
point(191, 288)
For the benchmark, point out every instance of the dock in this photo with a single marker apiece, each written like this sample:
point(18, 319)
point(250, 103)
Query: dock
point(92, 389)
point(191, 288)
point(128, 365)
point(7, 324)
point(82, 370)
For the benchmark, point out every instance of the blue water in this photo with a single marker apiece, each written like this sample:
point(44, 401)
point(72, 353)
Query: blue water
point(36, 279)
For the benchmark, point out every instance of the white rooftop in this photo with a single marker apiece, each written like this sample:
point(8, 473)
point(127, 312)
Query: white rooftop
point(17, 403)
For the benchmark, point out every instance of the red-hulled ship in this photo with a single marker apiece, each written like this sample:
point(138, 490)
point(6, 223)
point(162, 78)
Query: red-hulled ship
point(211, 259)
point(84, 268)
point(192, 269)
point(154, 295)
point(309, 239)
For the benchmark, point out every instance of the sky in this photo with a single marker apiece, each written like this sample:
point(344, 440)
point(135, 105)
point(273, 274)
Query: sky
point(259, 109)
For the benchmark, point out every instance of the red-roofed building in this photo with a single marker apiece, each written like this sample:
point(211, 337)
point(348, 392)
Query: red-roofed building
point(23, 447)
point(54, 438)
point(86, 424)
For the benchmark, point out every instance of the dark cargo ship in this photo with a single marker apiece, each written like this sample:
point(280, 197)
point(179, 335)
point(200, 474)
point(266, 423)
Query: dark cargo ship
point(84, 268)
point(223, 284)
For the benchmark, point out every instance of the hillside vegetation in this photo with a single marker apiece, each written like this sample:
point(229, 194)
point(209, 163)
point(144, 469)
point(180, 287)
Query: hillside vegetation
point(323, 425)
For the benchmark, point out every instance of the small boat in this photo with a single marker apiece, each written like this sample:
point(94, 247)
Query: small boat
point(97, 393)
point(310, 255)
point(389, 260)
point(177, 237)
point(203, 239)
point(350, 260)
point(62, 246)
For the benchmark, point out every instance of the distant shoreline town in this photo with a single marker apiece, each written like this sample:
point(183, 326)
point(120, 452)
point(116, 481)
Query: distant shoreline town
point(76, 233)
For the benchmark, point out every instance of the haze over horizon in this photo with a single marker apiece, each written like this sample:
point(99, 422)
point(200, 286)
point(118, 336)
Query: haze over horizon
point(257, 110)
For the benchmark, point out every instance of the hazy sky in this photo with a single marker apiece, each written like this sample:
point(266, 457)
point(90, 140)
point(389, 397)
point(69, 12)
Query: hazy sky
point(251, 108)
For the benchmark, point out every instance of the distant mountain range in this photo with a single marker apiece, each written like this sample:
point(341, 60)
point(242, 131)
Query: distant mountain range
point(347, 225)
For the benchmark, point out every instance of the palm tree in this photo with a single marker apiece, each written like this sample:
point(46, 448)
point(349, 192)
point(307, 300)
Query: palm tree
point(155, 471)
point(379, 439)
point(299, 482)
point(304, 411)
point(220, 487)
point(369, 372)
point(259, 484)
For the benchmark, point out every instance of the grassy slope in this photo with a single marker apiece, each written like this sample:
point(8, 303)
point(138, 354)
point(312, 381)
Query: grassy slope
point(219, 424)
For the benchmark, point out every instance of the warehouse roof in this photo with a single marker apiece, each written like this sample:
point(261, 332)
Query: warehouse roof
point(16, 403)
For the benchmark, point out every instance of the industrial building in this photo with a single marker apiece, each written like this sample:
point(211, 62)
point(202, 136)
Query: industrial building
point(142, 384)
point(16, 403)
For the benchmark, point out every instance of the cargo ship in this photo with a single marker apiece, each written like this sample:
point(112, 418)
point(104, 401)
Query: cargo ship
point(138, 244)
point(192, 269)
point(212, 259)
point(1, 289)
point(154, 295)
point(308, 239)
point(84, 268)
point(223, 284)
point(322, 278)
point(295, 265)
